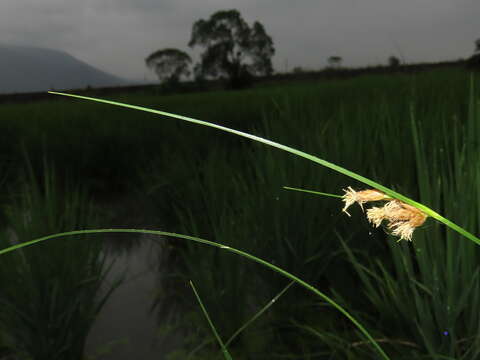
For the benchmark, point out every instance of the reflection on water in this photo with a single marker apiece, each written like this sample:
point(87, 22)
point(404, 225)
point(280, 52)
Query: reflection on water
point(125, 322)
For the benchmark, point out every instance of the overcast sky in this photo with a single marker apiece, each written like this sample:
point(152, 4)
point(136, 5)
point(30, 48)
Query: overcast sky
point(117, 35)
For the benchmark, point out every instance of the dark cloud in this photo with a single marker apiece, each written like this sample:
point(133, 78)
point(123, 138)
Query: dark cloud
point(116, 35)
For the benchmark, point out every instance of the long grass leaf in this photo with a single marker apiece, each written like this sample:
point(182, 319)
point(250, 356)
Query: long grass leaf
point(225, 352)
point(211, 243)
point(257, 315)
point(313, 192)
point(305, 155)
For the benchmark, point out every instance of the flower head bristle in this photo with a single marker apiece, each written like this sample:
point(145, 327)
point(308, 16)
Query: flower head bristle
point(402, 229)
point(351, 196)
point(402, 219)
point(376, 215)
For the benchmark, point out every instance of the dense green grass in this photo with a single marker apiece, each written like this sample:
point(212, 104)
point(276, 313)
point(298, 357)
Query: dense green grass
point(52, 294)
point(228, 190)
point(247, 209)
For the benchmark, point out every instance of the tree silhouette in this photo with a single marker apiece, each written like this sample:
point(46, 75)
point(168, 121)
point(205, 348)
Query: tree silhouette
point(473, 62)
point(169, 64)
point(335, 61)
point(233, 50)
point(393, 61)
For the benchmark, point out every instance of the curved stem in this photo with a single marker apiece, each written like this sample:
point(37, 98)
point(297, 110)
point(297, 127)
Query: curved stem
point(224, 247)
point(305, 155)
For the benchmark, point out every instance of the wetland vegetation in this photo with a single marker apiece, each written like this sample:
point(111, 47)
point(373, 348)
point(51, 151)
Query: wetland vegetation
point(65, 164)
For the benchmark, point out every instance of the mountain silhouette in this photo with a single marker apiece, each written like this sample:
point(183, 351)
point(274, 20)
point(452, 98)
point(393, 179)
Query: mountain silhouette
point(31, 69)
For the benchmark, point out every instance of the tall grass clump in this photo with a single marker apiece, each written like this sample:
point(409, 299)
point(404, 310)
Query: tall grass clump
point(75, 137)
point(389, 192)
point(428, 295)
point(253, 188)
point(52, 294)
point(245, 209)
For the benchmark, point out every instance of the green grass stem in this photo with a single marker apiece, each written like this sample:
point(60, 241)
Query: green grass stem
point(313, 192)
point(253, 318)
point(305, 155)
point(211, 243)
point(225, 352)
point(259, 313)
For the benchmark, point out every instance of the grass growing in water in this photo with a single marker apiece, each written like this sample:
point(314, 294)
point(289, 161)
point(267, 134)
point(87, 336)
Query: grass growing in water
point(367, 181)
point(51, 295)
point(385, 164)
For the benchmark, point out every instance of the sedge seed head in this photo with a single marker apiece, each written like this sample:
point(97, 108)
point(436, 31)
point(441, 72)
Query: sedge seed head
point(351, 196)
point(402, 219)
point(376, 215)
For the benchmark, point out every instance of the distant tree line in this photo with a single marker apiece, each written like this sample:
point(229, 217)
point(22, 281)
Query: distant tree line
point(473, 62)
point(233, 51)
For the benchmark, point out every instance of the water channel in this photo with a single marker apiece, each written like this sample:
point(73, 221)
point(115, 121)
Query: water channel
point(125, 329)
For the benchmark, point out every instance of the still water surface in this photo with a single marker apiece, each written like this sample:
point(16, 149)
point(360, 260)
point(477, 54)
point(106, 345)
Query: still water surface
point(125, 321)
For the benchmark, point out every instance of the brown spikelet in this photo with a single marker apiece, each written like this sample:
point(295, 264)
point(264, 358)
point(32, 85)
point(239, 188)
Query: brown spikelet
point(402, 219)
point(351, 196)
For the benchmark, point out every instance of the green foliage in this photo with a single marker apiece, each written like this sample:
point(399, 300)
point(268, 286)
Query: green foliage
point(233, 49)
point(380, 126)
point(225, 352)
point(434, 282)
point(51, 294)
point(363, 124)
point(169, 64)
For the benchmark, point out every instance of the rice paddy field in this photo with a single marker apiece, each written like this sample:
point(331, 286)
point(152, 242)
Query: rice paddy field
point(64, 165)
